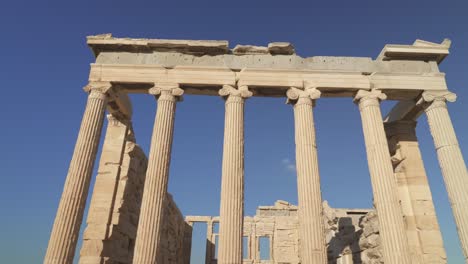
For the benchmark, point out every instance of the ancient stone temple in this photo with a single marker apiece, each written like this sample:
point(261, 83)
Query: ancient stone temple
point(133, 219)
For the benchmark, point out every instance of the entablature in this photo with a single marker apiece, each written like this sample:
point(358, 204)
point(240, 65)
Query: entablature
point(203, 67)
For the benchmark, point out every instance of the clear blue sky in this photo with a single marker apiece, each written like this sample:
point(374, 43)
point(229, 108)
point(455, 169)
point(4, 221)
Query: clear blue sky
point(45, 63)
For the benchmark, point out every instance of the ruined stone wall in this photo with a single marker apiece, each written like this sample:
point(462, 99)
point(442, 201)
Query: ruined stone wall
point(171, 249)
point(347, 242)
point(343, 230)
point(114, 211)
point(352, 235)
point(424, 237)
point(115, 205)
point(280, 224)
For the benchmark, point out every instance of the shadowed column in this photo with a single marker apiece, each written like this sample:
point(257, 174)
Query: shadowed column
point(65, 232)
point(450, 158)
point(311, 229)
point(157, 174)
point(232, 183)
point(384, 187)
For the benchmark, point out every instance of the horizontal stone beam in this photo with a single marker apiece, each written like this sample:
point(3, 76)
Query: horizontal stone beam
point(120, 106)
point(197, 218)
point(267, 82)
point(404, 110)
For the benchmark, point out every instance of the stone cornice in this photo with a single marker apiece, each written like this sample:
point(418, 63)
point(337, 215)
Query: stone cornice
point(420, 50)
point(105, 42)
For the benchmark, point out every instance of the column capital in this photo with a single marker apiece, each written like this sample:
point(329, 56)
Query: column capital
point(99, 89)
point(362, 95)
point(434, 99)
point(230, 91)
point(167, 91)
point(365, 98)
point(308, 95)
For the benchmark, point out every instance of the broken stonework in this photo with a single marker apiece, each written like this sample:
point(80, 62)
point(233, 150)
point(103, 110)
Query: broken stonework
point(249, 49)
point(352, 235)
point(369, 241)
point(281, 48)
point(114, 212)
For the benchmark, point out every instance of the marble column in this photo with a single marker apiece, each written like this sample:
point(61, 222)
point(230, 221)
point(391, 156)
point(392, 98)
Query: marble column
point(311, 227)
point(450, 158)
point(157, 174)
point(422, 228)
point(232, 182)
point(65, 232)
point(384, 187)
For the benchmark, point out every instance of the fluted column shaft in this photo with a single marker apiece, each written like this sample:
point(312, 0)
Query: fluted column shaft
point(311, 227)
point(65, 232)
point(451, 160)
point(232, 182)
point(157, 174)
point(391, 224)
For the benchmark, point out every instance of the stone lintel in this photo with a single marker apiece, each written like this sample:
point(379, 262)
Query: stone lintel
point(411, 109)
point(197, 218)
point(120, 106)
point(355, 210)
point(267, 82)
point(404, 110)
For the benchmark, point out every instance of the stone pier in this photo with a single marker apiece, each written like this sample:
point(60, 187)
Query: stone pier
point(99, 222)
point(422, 228)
